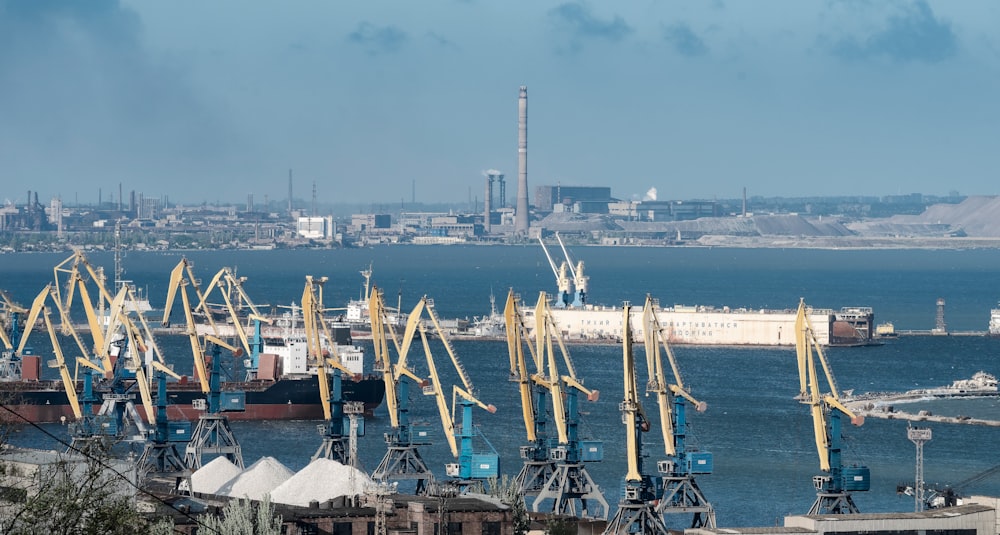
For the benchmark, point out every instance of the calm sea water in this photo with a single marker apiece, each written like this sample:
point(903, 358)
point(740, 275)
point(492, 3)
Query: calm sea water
point(761, 438)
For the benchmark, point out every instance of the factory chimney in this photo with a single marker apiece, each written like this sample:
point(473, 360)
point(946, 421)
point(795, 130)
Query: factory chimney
point(487, 206)
point(521, 210)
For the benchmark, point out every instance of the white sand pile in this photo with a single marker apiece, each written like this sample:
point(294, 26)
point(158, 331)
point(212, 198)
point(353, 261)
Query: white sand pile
point(259, 479)
point(211, 477)
point(322, 480)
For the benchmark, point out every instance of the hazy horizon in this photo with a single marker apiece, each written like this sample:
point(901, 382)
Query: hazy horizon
point(215, 101)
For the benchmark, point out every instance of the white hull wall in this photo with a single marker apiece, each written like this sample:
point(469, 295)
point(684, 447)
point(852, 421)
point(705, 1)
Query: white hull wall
point(712, 327)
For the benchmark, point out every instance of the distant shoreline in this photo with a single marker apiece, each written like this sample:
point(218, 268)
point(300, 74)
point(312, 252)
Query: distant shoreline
point(854, 243)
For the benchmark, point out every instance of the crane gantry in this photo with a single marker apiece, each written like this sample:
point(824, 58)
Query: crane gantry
point(10, 332)
point(402, 459)
point(329, 370)
point(679, 493)
point(473, 466)
point(637, 507)
point(114, 354)
point(212, 434)
point(834, 485)
point(553, 467)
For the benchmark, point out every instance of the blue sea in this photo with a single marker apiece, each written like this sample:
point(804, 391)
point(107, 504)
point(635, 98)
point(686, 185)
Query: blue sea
point(761, 438)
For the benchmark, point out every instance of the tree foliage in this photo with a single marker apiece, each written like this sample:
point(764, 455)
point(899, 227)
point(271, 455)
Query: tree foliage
point(508, 491)
point(241, 517)
point(70, 496)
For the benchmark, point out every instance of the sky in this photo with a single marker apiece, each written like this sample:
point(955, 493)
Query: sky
point(394, 100)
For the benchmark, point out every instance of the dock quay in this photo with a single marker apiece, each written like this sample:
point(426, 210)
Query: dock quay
point(933, 332)
point(891, 413)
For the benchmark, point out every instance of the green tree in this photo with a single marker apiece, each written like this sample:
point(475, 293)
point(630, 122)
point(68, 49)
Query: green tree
point(241, 517)
point(70, 495)
point(560, 526)
point(508, 491)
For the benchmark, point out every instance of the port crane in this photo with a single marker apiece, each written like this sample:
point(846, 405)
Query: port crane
point(835, 484)
point(122, 355)
point(10, 332)
point(472, 466)
point(89, 430)
point(230, 285)
point(160, 457)
point(334, 446)
point(950, 495)
point(553, 467)
point(580, 281)
point(537, 467)
point(679, 493)
point(562, 279)
point(212, 434)
point(637, 507)
point(402, 459)
point(39, 308)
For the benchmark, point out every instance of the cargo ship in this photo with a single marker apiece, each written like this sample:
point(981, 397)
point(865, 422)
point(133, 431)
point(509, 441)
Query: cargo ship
point(282, 386)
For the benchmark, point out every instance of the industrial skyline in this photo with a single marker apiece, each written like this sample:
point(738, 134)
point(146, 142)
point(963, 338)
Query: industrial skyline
point(400, 102)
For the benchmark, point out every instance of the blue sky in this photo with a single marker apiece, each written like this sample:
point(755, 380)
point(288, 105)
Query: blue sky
point(698, 99)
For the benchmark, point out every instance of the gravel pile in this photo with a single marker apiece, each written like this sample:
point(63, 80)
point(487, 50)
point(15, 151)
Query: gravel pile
point(211, 477)
point(258, 480)
point(321, 480)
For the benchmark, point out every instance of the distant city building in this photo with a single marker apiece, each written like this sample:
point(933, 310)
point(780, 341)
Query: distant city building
point(367, 222)
point(147, 208)
point(315, 228)
point(587, 197)
point(624, 209)
point(676, 210)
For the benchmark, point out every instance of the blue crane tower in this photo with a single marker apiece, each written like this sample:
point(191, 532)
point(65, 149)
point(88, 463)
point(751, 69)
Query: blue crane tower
point(160, 458)
point(10, 332)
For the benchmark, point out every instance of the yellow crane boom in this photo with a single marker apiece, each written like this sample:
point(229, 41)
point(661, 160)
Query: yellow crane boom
point(634, 415)
point(38, 307)
point(810, 390)
point(653, 338)
point(516, 333)
point(434, 386)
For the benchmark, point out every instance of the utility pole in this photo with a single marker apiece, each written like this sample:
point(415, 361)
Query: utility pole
point(919, 435)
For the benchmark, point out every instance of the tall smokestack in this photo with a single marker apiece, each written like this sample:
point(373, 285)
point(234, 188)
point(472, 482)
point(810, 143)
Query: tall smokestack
point(487, 205)
point(521, 211)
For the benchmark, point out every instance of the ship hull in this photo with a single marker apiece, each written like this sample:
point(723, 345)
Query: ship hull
point(285, 399)
point(712, 326)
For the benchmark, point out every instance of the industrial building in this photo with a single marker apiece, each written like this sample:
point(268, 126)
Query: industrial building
point(399, 514)
point(961, 520)
point(580, 199)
